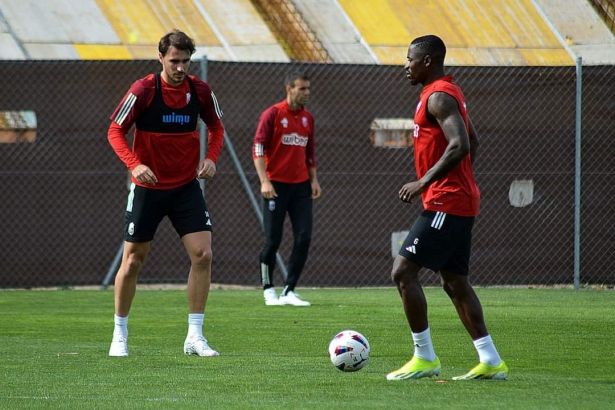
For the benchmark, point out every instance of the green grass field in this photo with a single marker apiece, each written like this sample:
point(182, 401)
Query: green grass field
point(558, 343)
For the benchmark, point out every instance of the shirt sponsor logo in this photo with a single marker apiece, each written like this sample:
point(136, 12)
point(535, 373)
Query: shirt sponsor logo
point(175, 119)
point(294, 139)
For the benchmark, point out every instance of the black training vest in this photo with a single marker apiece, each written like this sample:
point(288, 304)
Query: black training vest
point(161, 118)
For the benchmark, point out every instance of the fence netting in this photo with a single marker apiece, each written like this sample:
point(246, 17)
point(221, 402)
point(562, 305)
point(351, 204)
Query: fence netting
point(64, 193)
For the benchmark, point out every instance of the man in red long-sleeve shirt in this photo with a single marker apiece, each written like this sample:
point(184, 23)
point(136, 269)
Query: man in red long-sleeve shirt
point(283, 153)
point(164, 163)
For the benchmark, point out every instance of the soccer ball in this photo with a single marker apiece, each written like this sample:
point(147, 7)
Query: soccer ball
point(349, 351)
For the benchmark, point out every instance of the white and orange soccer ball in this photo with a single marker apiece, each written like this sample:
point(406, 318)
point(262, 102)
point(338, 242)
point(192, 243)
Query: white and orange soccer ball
point(349, 351)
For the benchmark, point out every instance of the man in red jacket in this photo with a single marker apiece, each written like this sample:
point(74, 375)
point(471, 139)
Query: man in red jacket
point(283, 153)
point(164, 163)
point(445, 145)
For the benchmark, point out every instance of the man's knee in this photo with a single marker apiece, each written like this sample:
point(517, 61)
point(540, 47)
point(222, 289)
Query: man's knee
point(271, 246)
point(404, 270)
point(303, 240)
point(202, 256)
point(133, 263)
point(455, 285)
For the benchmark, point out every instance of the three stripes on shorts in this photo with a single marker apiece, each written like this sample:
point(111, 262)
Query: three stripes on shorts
point(438, 220)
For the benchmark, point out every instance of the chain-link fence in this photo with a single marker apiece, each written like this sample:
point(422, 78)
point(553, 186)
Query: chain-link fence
point(63, 196)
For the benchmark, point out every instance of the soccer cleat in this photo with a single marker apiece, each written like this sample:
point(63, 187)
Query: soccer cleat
point(119, 347)
point(416, 368)
point(291, 298)
point(271, 298)
point(197, 345)
point(484, 371)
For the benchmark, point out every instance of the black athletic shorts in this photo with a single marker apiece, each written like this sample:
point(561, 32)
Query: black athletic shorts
point(185, 206)
point(440, 241)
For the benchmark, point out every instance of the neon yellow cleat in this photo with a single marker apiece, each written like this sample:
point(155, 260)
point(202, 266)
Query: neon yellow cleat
point(416, 369)
point(483, 371)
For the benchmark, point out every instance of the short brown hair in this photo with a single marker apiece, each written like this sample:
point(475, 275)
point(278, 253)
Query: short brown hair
point(177, 39)
point(295, 75)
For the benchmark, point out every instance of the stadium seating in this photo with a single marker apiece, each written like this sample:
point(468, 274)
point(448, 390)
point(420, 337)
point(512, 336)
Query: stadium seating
point(223, 29)
point(582, 29)
point(477, 32)
point(50, 29)
point(130, 29)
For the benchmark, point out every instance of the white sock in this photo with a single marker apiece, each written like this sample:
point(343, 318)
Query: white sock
point(195, 324)
point(487, 352)
point(121, 326)
point(423, 348)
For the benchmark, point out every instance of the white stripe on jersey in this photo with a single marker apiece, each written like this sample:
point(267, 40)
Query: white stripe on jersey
point(259, 150)
point(129, 102)
point(438, 220)
point(216, 105)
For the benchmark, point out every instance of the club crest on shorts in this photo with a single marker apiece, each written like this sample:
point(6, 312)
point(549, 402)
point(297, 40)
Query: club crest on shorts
point(271, 205)
point(131, 228)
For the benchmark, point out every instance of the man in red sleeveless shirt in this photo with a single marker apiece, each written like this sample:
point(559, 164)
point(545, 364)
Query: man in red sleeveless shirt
point(164, 163)
point(283, 153)
point(445, 144)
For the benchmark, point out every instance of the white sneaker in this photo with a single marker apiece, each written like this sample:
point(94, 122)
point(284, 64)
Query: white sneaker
point(292, 299)
point(271, 298)
point(119, 347)
point(197, 345)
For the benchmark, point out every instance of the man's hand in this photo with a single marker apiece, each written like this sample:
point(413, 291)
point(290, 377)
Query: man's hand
point(144, 175)
point(410, 191)
point(207, 169)
point(267, 190)
point(316, 190)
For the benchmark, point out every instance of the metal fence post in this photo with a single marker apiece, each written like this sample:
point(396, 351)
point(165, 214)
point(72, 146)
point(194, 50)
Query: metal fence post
point(113, 267)
point(202, 127)
point(577, 178)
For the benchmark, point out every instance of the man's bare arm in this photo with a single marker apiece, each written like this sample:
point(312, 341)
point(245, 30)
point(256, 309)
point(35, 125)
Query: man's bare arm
point(445, 110)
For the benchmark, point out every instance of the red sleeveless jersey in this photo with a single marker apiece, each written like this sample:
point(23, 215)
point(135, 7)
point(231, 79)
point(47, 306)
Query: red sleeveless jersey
point(457, 192)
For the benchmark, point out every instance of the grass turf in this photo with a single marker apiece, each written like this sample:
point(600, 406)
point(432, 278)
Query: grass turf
point(558, 344)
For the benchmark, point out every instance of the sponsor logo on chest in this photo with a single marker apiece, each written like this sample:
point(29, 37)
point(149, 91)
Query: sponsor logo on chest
point(175, 119)
point(294, 139)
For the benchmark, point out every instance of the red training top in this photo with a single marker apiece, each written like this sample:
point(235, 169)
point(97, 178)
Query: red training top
point(172, 157)
point(456, 193)
point(286, 139)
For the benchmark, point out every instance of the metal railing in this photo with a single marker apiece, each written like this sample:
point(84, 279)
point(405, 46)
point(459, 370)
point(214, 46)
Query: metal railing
point(292, 31)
